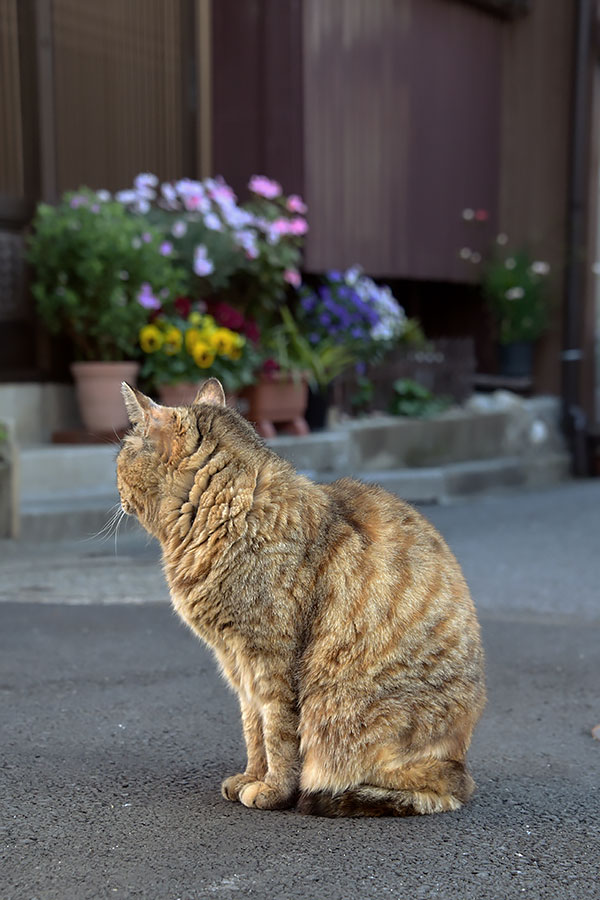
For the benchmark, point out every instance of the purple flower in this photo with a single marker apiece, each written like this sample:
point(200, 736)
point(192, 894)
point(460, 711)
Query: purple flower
point(166, 248)
point(202, 264)
point(325, 319)
point(77, 201)
point(147, 237)
point(334, 275)
point(314, 338)
point(95, 208)
point(308, 304)
point(146, 298)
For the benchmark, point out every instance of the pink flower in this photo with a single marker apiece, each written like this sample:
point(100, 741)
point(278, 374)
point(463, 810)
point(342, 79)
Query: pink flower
point(296, 204)
point(222, 193)
point(481, 215)
point(298, 226)
point(292, 277)
point(264, 187)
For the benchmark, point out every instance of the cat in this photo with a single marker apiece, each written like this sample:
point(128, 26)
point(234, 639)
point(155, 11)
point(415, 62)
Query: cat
point(336, 612)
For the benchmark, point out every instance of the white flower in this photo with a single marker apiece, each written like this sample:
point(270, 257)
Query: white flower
point(169, 194)
point(540, 268)
point(202, 264)
point(212, 221)
point(475, 258)
point(465, 253)
point(502, 239)
point(515, 293)
point(468, 214)
point(179, 228)
point(145, 180)
point(596, 268)
point(126, 197)
point(510, 263)
point(103, 196)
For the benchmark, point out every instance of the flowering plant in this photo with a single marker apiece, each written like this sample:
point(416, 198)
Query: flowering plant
point(96, 270)
point(352, 309)
point(514, 286)
point(189, 345)
point(248, 252)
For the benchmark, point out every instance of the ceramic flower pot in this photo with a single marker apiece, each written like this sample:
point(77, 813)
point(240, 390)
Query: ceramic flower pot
point(277, 399)
point(98, 387)
point(516, 359)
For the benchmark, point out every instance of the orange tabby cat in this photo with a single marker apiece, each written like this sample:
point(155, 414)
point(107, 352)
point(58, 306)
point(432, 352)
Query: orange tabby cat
point(337, 612)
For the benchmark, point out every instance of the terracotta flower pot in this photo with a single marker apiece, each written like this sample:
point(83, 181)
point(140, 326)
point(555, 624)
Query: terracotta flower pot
point(98, 386)
point(184, 394)
point(277, 400)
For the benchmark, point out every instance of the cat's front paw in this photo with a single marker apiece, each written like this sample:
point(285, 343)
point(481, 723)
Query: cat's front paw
point(232, 786)
point(260, 795)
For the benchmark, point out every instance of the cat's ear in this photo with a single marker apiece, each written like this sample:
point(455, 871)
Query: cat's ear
point(139, 407)
point(157, 419)
point(211, 392)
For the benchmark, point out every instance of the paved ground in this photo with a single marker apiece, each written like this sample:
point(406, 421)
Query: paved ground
point(116, 732)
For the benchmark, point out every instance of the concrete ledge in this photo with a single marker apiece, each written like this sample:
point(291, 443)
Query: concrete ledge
point(68, 491)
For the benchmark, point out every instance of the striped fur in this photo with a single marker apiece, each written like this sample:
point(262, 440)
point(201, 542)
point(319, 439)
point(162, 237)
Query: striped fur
point(336, 612)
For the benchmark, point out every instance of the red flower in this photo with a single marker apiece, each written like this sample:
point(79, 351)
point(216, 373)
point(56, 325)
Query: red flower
point(227, 316)
point(250, 329)
point(183, 305)
point(481, 215)
point(270, 367)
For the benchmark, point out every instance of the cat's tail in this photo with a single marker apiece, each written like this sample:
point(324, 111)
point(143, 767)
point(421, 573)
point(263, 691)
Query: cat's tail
point(370, 800)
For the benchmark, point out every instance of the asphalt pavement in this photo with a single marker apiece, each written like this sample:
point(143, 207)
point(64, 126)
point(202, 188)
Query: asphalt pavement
point(116, 732)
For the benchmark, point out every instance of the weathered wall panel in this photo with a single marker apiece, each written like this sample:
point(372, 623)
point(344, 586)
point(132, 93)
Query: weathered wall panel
point(402, 117)
point(536, 128)
point(257, 91)
point(118, 91)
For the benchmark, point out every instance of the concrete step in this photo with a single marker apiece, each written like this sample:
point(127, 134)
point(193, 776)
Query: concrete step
point(66, 491)
point(87, 513)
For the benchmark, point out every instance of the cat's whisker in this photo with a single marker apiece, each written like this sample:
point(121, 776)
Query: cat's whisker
point(107, 529)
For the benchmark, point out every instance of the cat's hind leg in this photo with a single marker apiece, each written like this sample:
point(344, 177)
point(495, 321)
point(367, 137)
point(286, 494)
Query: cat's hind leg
point(428, 786)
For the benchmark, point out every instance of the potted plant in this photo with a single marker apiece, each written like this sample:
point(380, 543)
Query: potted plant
point(515, 288)
point(349, 319)
point(243, 254)
point(97, 271)
point(186, 346)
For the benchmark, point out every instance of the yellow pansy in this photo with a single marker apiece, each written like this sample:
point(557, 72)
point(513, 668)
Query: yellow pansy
point(195, 318)
point(223, 340)
point(173, 340)
point(204, 355)
point(192, 336)
point(151, 339)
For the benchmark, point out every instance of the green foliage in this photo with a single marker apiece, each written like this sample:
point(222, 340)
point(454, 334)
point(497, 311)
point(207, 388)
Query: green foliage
point(363, 396)
point(413, 400)
point(290, 348)
point(90, 260)
point(516, 291)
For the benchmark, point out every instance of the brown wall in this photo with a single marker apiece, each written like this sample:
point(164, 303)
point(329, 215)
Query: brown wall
point(537, 56)
point(402, 104)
